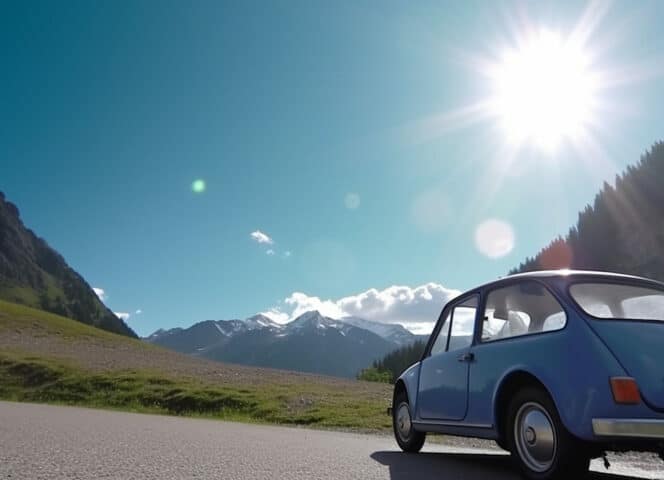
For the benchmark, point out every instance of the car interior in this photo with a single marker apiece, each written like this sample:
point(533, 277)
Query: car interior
point(521, 309)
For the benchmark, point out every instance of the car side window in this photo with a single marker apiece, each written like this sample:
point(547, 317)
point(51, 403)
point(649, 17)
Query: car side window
point(440, 345)
point(462, 318)
point(463, 324)
point(521, 309)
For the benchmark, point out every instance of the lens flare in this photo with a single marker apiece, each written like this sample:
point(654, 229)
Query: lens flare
point(352, 201)
point(198, 186)
point(494, 238)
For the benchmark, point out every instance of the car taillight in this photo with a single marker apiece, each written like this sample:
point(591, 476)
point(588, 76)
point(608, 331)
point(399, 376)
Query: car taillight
point(625, 390)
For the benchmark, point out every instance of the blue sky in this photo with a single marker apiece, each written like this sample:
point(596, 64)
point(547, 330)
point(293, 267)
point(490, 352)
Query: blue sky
point(110, 110)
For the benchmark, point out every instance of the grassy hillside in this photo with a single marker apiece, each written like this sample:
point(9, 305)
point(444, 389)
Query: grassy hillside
point(33, 274)
point(48, 358)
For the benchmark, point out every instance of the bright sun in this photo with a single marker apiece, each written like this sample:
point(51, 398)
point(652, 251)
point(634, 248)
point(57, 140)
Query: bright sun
point(543, 91)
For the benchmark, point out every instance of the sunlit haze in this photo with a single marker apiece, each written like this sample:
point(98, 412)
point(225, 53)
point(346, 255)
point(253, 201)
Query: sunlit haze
point(213, 160)
point(545, 92)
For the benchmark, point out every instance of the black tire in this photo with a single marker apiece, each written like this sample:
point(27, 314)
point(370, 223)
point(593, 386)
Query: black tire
point(558, 454)
point(502, 443)
point(409, 440)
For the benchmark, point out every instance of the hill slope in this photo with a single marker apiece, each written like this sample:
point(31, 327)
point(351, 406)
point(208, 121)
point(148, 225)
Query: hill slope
point(623, 231)
point(48, 358)
point(33, 274)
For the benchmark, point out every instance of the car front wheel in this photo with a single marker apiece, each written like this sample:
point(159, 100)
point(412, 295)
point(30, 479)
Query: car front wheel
point(407, 437)
point(540, 445)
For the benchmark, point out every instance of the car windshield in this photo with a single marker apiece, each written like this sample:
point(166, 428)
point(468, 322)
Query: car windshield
point(619, 301)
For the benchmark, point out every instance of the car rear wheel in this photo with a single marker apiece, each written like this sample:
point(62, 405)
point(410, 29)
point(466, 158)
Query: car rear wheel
point(540, 445)
point(408, 438)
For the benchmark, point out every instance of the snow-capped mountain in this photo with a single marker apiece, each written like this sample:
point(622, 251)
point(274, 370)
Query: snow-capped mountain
point(203, 335)
point(260, 321)
point(311, 342)
point(389, 331)
point(314, 320)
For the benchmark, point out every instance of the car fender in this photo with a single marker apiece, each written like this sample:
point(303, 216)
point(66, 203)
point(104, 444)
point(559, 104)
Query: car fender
point(410, 379)
point(577, 399)
point(515, 370)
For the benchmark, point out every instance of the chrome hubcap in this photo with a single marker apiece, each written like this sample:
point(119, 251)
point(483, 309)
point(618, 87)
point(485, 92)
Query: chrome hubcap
point(403, 421)
point(535, 437)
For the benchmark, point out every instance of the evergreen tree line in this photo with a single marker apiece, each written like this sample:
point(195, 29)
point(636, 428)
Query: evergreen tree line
point(622, 231)
point(392, 365)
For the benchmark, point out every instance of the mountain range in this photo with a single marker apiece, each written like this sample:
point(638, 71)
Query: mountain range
point(34, 274)
point(310, 343)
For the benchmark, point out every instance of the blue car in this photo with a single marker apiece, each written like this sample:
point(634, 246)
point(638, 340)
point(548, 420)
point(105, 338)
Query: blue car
point(557, 367)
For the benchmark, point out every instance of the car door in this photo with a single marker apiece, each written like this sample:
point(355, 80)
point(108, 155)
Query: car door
point(443, 386)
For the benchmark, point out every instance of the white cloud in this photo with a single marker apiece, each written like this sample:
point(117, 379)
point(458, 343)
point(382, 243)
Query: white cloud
point(100, 293)
point(138, 312)
point(270, 251)
point(415, 308)
point(122, 315)
point(276, 315)
point(301, 303)
point(287, 253)
point(261, 237)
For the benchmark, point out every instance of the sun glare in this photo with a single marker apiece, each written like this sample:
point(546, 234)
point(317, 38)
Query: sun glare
point(544, 91)
point(198, 186)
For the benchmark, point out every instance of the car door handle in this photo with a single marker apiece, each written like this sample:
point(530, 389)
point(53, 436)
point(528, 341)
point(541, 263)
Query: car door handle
point(466, 357)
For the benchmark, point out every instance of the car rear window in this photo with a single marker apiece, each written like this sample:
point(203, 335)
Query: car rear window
point(619, 301)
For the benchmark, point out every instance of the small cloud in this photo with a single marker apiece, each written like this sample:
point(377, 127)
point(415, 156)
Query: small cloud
point(122, 315)
point(287, 253)
point(261, 237)
point(100, 293)
point(270, 251)
point(138, 312)
point(352, 201)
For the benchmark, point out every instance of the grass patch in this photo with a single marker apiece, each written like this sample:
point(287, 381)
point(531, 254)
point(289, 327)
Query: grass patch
point(20, 318)
point(24, 295)
point(34, 379)
point(51, 359)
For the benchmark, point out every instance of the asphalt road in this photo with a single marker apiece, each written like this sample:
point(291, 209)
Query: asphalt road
point(48, 442)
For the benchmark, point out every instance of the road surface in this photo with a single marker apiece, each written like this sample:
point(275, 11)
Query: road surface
point(49, 442)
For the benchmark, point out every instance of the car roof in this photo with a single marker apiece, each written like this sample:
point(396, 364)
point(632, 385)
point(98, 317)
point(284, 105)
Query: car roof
point(567, 274)
point(573, 273)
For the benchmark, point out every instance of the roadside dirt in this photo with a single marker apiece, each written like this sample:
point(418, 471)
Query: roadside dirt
point(100, 355)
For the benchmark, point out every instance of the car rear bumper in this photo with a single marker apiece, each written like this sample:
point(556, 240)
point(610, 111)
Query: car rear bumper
point(628, 427)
